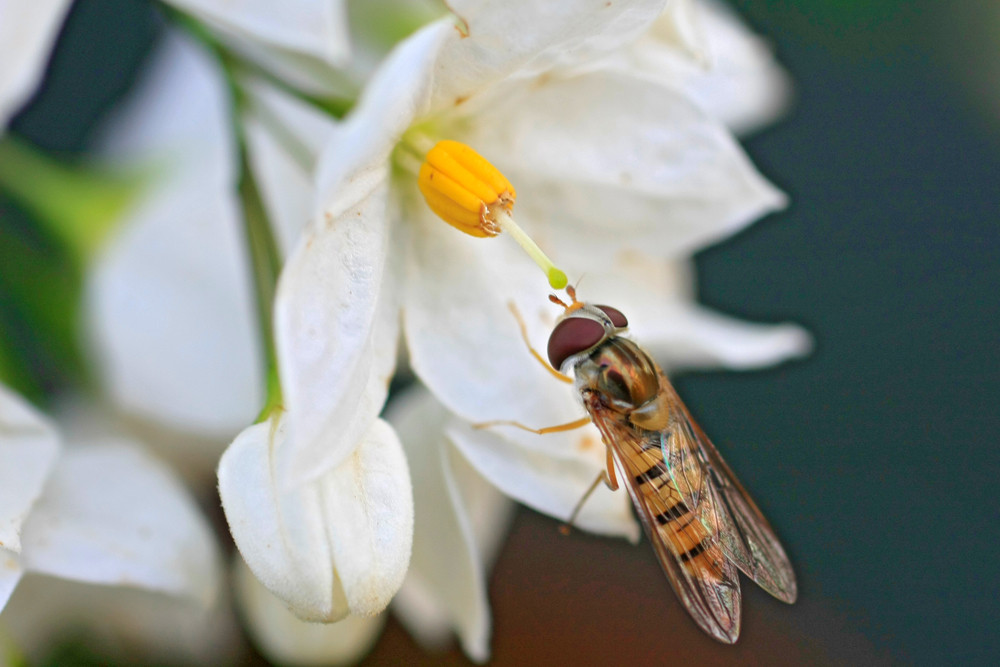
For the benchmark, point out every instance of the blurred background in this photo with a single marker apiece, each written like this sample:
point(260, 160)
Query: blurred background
point(875, 459)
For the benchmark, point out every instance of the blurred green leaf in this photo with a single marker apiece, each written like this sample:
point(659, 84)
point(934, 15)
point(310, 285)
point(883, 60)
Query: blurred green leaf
point(78, 205)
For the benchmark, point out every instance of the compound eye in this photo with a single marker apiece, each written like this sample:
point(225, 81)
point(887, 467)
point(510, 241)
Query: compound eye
point(615, 315)
point(573, 335)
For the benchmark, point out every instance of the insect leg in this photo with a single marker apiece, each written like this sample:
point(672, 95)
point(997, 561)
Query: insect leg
point(583, 421)
point(611, 479)
point(534, 352)
point(565, 528)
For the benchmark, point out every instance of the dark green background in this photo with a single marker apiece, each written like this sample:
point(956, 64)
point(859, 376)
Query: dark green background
point(877, 457)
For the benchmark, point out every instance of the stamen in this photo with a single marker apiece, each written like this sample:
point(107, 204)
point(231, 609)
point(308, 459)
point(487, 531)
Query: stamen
point(470, 194)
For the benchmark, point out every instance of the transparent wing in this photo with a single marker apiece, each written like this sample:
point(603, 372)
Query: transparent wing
point(745, 535)
point(682, 535)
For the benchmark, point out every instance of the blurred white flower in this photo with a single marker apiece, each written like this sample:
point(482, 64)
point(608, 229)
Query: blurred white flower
point(460, 522)
point(27, 32)
point(99, 512)
point(286, 639)
point(169, 302)
point(169, 307)
point(303, 42)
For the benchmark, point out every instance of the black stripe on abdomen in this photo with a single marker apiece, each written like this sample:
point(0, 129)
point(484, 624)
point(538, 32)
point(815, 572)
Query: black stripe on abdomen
point(655, 471)
point(672, 514)
point(693, 552)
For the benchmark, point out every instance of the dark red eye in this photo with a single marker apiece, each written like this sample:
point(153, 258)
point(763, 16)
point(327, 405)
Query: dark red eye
point(572, 335)
point(616, 316)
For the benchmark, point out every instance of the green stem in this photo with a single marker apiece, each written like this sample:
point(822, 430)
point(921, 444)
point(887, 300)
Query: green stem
point(336, 106)
point(266, 262)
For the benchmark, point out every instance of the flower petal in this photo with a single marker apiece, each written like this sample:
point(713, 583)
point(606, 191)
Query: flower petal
point(281, 535)
point(497, 39)
point(356, 165)
point(10, 574)
point(315, 28)
point(656, 296)
point(689, 336)
point(603, 146)
point(545, 483)
point(27, 33)
point(169, 305)
point(459, 523)
point(111, 514)
point(336, 325)
point(284, 137)
point(372, 536)
point(121, 625)
point(735, 77)
point(29, 446)
point(464, 345)
point(286, 639)
point(336, 545)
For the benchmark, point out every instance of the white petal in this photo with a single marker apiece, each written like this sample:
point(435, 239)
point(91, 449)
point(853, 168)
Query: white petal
point(545, 483)
point(497, 39)
point(121, 625)
point(372, 500)
point(657, 298)
point(335, 329)
point(691, 336)
point(735, 79)
point(459, 522)
point(462, 337)
point(336, 545)
point(464, 345)
point(315, 28)
point(10, 574)
point(281, 536)
point(29, 446)
point(604, 162)
point(284, 638)
point(679, 30)
point(169, 305)
point(284, 137)
point(111, 514)
point(355, 165)
point(27, 32)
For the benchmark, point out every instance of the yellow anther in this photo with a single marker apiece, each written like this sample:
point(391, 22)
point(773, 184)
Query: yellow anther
point(473, 196)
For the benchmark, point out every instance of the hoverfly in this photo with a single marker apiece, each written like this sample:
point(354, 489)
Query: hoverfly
point(701, 521)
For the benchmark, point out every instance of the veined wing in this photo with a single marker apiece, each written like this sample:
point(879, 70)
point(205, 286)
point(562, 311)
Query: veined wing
point(683, 538)
point(745, 535)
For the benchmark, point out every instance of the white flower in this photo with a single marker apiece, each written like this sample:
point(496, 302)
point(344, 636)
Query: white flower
point(604, 163)
point(27, 32)
point(458, 524)
point(335, 287)
point(169, 303)
point(100, 512)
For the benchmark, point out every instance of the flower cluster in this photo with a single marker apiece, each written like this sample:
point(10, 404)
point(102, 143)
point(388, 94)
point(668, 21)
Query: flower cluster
point(281, 253)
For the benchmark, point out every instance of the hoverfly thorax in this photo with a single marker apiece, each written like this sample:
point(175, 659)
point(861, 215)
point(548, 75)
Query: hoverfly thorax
point(622, 372)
